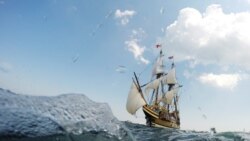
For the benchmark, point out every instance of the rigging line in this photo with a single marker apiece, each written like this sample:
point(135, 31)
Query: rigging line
point(147, 67)
point(153, 80)
point(144, 69)
point(151, 99)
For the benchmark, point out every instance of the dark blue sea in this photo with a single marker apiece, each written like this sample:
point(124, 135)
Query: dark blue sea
point(137, 132)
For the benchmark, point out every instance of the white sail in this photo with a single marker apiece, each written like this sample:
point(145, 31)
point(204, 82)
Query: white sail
point(158, 66)
point(176, 89)
point(170, 78)
point(169, 97)
point(152, 85)
point(135, 100)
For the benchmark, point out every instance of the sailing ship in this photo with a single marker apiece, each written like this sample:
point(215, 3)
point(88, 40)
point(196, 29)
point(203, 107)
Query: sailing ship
point(158, 98)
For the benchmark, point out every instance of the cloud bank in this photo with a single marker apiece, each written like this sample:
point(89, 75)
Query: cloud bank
point(124, 16)
point(220, 80)
point(212, 37)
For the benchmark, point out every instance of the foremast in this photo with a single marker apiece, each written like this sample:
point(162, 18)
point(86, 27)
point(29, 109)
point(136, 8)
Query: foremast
point(135, 98)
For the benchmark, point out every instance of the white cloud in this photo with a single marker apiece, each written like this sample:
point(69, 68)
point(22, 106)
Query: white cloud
point(212, 37)
point(220, 80)
point(137, 51)
point(124, 16)
point(143, 60)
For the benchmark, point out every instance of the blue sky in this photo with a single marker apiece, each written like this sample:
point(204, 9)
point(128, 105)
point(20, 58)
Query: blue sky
point(52, 47)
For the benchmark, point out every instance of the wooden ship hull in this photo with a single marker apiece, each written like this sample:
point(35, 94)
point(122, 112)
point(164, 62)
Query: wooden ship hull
point(154, 119)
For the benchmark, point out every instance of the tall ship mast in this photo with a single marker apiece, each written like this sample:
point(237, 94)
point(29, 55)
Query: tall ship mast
point(158, 97)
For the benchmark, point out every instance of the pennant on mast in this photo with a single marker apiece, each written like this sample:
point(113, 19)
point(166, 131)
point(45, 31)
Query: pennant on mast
point(158, 45)
point(171, 57)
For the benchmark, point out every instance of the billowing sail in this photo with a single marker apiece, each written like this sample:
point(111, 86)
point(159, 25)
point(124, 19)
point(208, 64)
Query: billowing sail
point(135, 100)
point(158, 66)
point(169, 97)
point(170, 78)
point(152, 85)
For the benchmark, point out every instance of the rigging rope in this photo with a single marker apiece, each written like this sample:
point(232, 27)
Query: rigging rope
point(147, 67)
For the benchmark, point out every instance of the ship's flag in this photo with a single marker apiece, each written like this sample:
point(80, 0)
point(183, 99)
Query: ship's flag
point(171, 57)
point(158, 45)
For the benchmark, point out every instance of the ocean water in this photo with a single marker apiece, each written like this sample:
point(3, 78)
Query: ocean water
point(137, 132)
point(74, 117)
point(145, 133)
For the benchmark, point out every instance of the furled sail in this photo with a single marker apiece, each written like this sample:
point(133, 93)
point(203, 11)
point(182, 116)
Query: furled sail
point(170, 78)
point(135, 100)
point(152, 85)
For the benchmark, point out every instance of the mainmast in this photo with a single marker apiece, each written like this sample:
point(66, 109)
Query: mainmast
point(158, 71)
point(161, 80)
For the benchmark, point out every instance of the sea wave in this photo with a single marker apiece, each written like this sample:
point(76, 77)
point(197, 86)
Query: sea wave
point(74, 117)
point(145, 133)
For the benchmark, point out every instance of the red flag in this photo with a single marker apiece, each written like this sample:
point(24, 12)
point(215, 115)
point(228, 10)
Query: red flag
point(158, 45)
point(170, 57)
